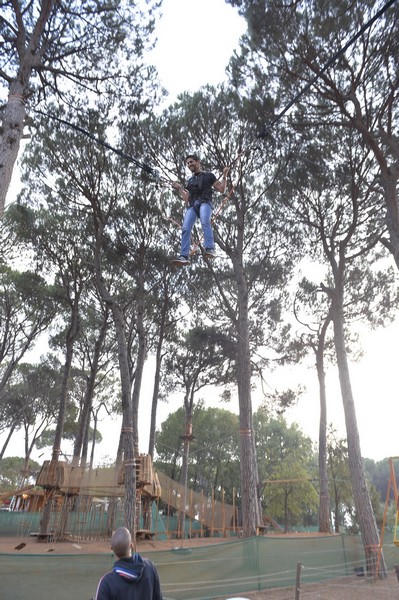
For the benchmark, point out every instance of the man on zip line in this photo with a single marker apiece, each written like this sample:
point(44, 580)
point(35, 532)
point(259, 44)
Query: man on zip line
point(198, 198)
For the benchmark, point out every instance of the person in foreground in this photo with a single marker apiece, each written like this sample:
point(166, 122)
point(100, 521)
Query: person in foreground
point(198, 198)
point(132, 577)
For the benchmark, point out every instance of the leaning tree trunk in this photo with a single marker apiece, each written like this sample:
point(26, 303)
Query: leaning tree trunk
point(11, 431)
point(389, 173)
point(13, 119)
point(364, 510)
point(390, 183)
point(13, 114)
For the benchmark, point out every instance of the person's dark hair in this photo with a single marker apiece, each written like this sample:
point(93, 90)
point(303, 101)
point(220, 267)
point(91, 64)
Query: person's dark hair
point(121, 542)
point(193, 156)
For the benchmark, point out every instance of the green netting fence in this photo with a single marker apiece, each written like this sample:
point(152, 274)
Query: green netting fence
point(93, 525)
point(80, 525)
point(214, 571)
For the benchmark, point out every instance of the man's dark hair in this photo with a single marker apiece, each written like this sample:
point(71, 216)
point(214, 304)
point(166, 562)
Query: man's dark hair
point(121, 542)
point(193, 156)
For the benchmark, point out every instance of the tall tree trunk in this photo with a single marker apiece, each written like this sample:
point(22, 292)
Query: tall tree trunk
point(249, 478)
point(14, 115)
point(93, 444)
point(84, 420)
point(337, 510)
point(85, 442)
point(248, 462)
point(187, 437)
point(286, 524)
point(157, 381)
point(165, 305)
point(113, 503)
point(128, 424)
point(59, 430)
point(324, 499)
point(364, 510)
point(142, 350)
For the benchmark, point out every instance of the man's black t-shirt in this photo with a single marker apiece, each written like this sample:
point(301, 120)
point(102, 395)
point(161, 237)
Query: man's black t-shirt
point(200, 187)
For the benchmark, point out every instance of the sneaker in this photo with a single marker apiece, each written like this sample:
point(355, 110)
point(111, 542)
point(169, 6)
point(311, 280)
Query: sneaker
point(182, 261)
point(209, 253)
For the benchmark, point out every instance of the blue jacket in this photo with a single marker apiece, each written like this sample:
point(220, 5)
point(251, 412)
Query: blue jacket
point(133, 578)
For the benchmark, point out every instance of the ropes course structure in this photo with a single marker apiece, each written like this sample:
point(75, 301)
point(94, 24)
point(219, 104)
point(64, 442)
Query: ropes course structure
point(87, 504)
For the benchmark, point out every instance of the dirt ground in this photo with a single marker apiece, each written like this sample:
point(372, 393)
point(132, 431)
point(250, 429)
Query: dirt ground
point(349, 588)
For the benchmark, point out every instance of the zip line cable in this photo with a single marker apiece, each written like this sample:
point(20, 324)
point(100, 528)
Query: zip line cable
point(143, 166)
point(266, 130)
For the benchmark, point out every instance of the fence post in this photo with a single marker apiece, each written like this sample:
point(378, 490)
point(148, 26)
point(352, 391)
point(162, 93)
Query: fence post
point(298, 580)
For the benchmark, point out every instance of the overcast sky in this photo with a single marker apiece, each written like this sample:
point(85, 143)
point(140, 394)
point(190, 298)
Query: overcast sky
point(195, 41)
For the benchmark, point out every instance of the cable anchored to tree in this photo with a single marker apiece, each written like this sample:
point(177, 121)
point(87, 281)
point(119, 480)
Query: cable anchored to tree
point(266, 130)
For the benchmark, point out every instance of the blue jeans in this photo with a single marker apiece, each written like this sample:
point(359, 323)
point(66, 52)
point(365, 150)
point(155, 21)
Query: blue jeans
point(205, 214)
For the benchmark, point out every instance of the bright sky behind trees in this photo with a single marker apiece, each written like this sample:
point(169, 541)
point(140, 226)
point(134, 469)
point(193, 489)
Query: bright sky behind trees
point(195, 42)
